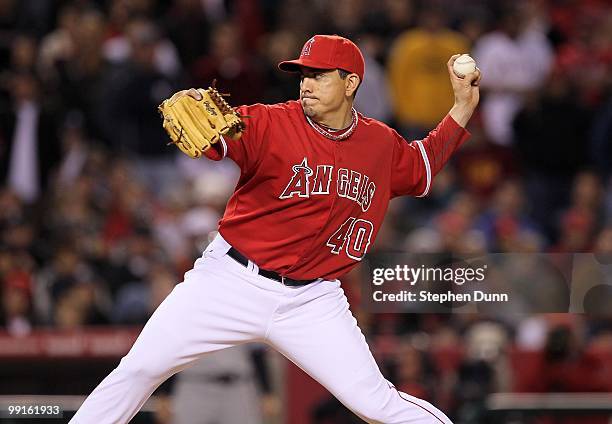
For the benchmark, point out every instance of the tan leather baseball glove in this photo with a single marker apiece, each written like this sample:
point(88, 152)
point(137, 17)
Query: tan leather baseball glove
point(194, 125)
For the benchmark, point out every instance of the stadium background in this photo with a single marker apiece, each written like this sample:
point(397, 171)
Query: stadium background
point(99, 218)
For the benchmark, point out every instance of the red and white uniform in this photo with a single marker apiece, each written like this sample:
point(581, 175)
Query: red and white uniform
point(308, 205)
point(335, 193)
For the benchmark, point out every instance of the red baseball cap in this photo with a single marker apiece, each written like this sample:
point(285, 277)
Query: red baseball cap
point(328, 52)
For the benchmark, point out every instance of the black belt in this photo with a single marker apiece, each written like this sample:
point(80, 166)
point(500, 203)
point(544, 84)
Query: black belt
point(243, 260)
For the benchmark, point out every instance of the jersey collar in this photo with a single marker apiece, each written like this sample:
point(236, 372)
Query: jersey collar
point(336, 135)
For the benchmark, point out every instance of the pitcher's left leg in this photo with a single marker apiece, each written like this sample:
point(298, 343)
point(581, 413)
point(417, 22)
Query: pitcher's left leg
point(317, 332)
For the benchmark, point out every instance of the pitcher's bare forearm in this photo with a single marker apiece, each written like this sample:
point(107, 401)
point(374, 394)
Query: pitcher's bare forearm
point(461, 114)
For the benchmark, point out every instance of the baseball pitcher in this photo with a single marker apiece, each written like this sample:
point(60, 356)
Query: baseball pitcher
point(316, 180)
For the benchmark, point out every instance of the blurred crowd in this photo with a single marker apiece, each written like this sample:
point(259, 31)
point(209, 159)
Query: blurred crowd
point(99, 218)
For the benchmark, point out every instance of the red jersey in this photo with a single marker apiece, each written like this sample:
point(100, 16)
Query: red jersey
point(306, 206)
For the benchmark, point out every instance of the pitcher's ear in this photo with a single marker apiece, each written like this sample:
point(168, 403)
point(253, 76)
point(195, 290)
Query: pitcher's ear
point(352, 83)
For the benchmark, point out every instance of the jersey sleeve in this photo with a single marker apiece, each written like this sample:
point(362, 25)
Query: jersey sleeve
point(415, 164)
point(247, 150)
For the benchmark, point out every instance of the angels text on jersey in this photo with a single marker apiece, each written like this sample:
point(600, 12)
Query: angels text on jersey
point(350, 184)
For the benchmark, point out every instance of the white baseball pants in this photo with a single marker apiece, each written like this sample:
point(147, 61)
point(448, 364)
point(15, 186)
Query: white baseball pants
point(220, 304)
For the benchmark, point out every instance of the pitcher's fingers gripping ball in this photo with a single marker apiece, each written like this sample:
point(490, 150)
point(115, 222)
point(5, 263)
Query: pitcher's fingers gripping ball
point(464, 65)
point(196, 119)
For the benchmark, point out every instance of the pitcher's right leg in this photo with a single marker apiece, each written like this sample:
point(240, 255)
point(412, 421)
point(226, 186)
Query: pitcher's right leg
point(214, 308)
point(320, 335)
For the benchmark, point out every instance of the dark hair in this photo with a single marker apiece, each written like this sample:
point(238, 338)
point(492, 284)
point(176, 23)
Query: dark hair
point(343, 74)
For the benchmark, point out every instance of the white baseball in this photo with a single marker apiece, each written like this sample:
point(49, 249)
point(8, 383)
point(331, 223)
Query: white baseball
point(464, 65)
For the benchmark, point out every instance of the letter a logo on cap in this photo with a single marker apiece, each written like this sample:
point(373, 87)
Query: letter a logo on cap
point(331, 52)
point(307, 47)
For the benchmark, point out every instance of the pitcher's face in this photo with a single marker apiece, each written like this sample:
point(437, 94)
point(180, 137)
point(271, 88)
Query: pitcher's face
point(321, 91)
